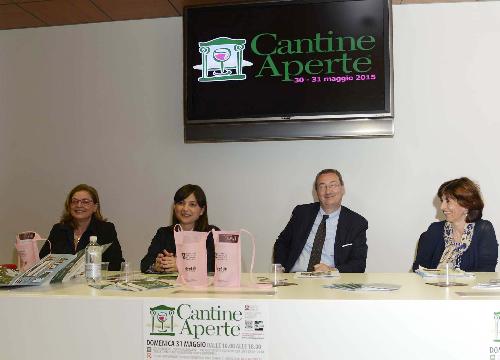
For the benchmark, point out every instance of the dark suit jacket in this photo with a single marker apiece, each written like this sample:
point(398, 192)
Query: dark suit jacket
point(481, 255)
point(164, 239)
point(61, 241)
point(350, 247)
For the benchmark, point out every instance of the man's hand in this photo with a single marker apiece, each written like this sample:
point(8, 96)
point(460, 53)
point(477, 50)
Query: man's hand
point(322, 268)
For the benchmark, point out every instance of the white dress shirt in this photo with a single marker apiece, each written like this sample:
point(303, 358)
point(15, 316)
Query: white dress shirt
point(328, 247)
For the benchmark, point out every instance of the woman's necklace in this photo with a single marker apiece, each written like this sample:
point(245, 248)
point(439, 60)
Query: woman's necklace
point(458, 234)
point(76, 237)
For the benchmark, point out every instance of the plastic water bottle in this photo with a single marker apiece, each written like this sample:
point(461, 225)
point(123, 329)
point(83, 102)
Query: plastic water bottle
point(93, 259)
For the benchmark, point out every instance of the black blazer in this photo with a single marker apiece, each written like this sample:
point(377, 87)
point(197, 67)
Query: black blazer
point(481, 255)
point(61, 241)
point(164, 239)
point(350, 249)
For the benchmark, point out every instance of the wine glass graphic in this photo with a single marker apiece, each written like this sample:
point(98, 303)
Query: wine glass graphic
point(221, 55)
point(162, 317)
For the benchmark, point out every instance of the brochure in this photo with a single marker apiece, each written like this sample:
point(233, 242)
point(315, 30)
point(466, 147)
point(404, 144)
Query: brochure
point(52, 267)
point(144, 284)
point(138, 283)
point(441, 273)
point(363, 287)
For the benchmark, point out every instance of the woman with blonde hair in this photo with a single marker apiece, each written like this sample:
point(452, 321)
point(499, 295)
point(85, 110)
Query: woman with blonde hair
point(81, 219)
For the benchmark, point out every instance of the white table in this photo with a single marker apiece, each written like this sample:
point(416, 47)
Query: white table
point(306, 321)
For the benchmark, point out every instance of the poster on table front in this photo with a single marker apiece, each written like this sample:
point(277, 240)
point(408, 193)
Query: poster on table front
point(201, 329)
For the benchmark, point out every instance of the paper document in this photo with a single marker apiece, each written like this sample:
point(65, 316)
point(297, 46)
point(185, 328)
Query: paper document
point(318, 274)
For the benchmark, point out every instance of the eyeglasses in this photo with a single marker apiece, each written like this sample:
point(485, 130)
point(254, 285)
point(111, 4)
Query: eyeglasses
point(83, 202)
point(331, 186)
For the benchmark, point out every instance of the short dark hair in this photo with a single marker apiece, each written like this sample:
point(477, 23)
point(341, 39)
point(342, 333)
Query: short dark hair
point(67, 218)
point(328, 171)
point(181, 194)
point(467, 194)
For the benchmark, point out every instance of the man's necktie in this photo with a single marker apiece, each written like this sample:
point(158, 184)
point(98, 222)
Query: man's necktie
point(317, 248)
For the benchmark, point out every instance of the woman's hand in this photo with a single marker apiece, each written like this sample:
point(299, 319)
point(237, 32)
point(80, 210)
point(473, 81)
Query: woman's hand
point(165, 262)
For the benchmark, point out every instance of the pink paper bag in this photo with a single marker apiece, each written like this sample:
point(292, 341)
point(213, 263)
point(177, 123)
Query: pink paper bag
point(228, 257)
point(27, 249)
point(191, 257)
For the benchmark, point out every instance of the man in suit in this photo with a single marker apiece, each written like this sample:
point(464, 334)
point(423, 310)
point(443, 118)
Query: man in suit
point(324, 235)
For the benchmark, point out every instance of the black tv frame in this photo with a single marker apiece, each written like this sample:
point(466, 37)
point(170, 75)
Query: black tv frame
point(317, 126)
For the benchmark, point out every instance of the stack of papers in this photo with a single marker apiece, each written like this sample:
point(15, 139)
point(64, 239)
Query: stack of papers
point(363, 287)
point(318, 274)
point(441, 273)
point(491, 285)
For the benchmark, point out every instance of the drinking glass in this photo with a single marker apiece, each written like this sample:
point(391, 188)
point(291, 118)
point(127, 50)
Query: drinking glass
point(447, 268)
point(125, 271)
point(104, 271)
point(276, 273)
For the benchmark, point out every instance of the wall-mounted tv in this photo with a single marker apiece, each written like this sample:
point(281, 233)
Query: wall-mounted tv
point(288, 70)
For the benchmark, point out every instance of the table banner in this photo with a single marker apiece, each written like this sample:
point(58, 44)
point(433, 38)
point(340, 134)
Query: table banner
point(205, 329)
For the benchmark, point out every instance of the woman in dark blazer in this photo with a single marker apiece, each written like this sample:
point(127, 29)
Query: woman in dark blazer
point(191, 213)
point(463, 239)
point(81, 219)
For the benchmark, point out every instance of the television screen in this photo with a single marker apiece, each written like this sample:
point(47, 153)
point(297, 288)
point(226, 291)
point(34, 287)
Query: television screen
point(287, 69)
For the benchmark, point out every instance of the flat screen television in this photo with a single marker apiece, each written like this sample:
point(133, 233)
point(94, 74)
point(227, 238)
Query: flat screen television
point(288, 70)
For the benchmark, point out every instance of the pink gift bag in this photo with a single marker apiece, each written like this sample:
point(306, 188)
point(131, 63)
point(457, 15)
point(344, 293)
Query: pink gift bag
point(27, 249)
point(191, 257)
point(228, 257)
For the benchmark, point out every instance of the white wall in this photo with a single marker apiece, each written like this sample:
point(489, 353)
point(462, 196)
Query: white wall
point(102, 104)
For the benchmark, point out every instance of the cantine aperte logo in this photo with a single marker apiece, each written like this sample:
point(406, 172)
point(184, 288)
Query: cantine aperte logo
point(189, 320)
point(318, 54)
point(333, 55)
